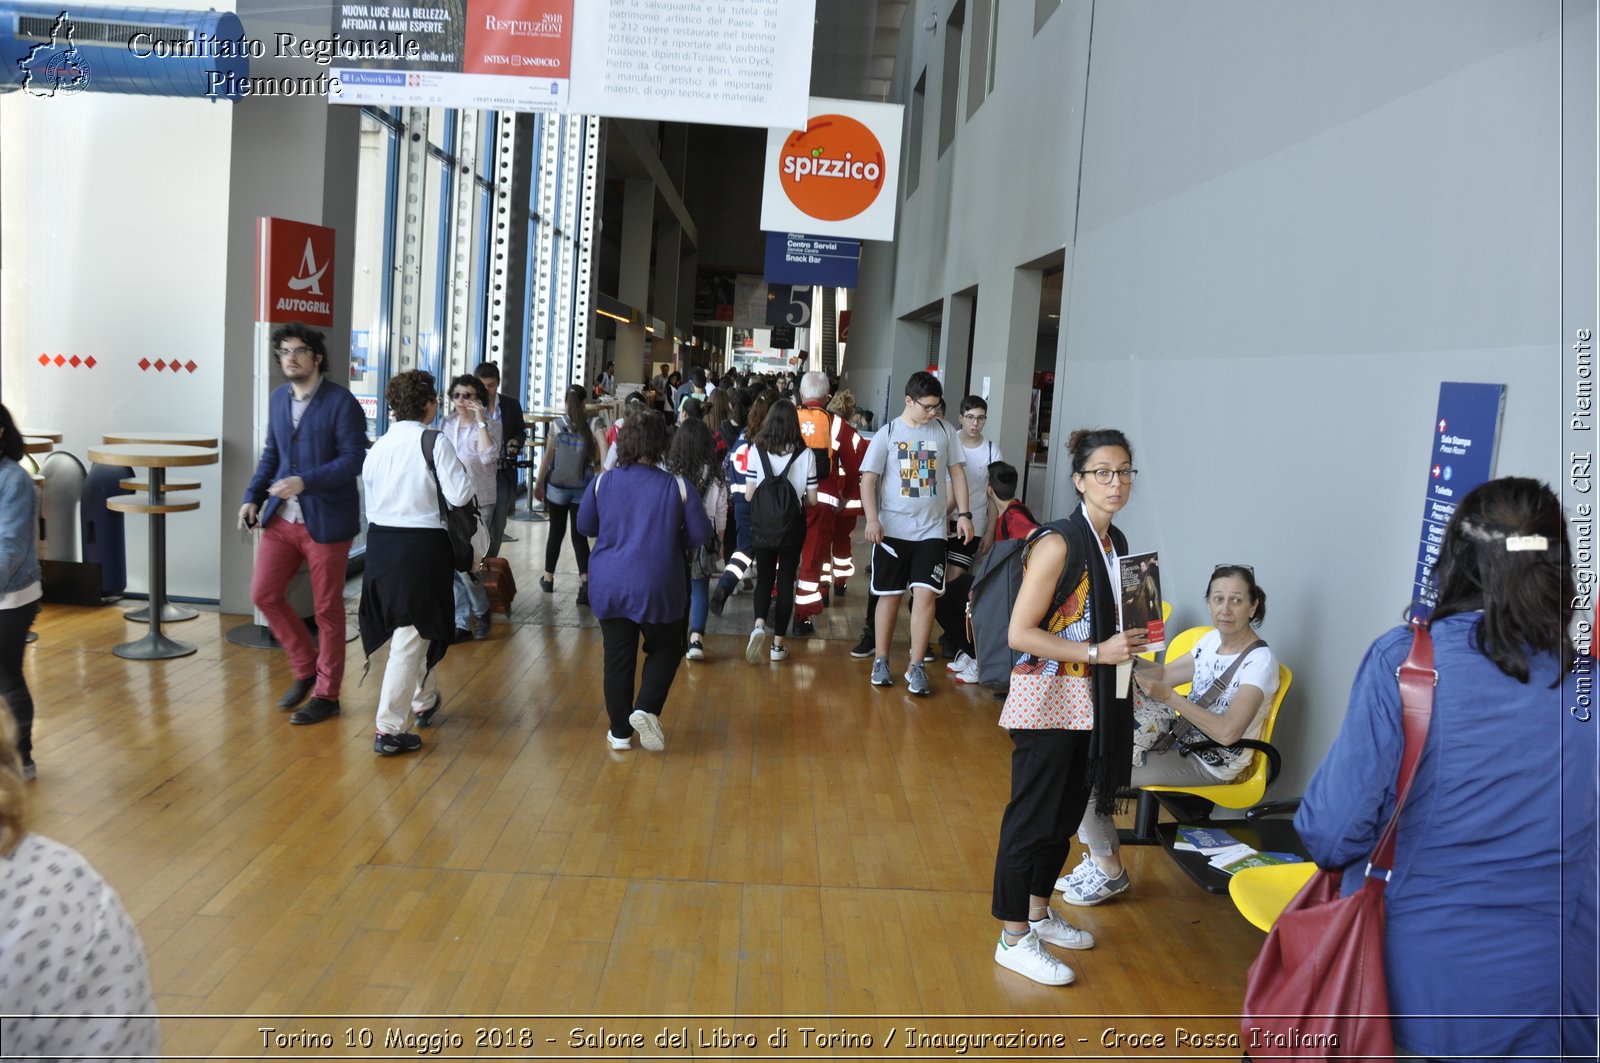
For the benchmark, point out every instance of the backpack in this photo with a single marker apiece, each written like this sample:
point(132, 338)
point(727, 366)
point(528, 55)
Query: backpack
point(571, 462)
point(996, 581)
point(463, 523)
point(774, 509)
point(816, 429)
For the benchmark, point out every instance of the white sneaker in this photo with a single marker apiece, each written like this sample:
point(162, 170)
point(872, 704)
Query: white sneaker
point(1087, 885)
point(778, 653)
point(1031, 959)
point(696, 651)
point(756, 646)
point(963, 660)
point(967, 675)
point(1057, 931)
point(619, 743)
point(649, 728)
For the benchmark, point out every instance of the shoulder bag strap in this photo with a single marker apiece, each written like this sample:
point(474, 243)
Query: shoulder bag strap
point(1417, 679)
point(1220, 683)
point(429, 437)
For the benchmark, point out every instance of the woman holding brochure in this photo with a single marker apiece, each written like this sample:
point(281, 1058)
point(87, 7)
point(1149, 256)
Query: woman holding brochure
point(1071, 727)
point(1235, 676)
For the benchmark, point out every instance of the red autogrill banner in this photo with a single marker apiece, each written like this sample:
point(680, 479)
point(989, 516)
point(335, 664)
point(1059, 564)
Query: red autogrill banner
point(294, 272)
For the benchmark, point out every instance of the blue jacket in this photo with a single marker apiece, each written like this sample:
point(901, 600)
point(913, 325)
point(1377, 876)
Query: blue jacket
point(19, 530)
point(326, 451)
point(1491, 915)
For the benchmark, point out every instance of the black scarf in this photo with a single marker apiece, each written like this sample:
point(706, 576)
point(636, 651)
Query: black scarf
point(1111, 741)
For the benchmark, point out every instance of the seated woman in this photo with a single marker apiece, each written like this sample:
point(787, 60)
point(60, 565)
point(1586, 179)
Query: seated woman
point(1235, 676)
point(1495, 848)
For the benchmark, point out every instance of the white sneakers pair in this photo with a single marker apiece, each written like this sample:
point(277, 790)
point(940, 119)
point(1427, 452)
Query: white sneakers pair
point(964, 669)
point(647, 725)
point(1029, 957)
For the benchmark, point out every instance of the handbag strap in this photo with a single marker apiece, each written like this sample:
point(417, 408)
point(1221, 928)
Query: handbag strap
point(1220, 684)
point(429, 436)
point(1417, 679)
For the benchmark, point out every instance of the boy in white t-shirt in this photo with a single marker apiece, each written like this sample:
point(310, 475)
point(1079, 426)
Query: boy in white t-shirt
point(902, 497)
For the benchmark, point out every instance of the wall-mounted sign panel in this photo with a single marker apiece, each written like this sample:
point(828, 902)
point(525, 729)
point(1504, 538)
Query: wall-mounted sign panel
point(750, 301)
point(788, 304)
point(294, 272)
point(838, 176)
point(728, 62)
point(1466, 433)
point(493, 54)
point(823, 261)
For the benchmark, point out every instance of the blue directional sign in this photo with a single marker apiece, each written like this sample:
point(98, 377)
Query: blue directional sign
point(1466, 432)
point(827, 261)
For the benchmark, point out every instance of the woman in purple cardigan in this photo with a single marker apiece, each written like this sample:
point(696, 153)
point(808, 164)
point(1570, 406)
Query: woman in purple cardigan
point(642, 524)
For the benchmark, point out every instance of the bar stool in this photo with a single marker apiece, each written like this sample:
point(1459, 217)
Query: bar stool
point(157, 457)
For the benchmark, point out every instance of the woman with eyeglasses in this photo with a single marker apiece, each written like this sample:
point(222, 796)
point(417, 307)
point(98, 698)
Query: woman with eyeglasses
point(477, 442)
point(1071, 727)
point(1234, 676)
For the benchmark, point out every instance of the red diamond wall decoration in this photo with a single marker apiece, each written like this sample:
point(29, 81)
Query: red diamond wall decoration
point(75, 361)
point(160, 364)
point(174, 366)
point(89, 361)
point(144, 363)
point(189, 365)
point(44, 359)
point(60, 360)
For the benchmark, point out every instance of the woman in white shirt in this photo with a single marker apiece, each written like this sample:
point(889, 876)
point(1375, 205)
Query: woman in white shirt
point(477, 442)
point(406, 583)
point(778, 444)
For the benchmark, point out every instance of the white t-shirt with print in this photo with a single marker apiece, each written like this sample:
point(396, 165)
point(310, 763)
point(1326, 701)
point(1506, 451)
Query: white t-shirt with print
point(911, 464)
point(1260, 669)
point(977, 463)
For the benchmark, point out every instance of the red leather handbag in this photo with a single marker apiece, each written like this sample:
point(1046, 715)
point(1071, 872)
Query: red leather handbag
point(1317, 990)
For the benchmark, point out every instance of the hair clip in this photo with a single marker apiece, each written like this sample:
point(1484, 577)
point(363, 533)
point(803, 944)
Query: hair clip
point(1516, 543)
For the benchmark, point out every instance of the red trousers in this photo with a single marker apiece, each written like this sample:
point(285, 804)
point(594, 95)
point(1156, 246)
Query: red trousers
point(815, 561)
point(283, 547)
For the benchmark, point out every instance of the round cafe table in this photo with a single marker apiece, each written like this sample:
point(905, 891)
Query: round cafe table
point(157, 503)
point(179, 439)
point(37, 444)
point(51, 434)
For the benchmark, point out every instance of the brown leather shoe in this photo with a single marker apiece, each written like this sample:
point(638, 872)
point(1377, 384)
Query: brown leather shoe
point(297, 692)
point(316, 710)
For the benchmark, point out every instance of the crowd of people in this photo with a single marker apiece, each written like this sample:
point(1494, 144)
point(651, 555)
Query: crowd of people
point(760, 485)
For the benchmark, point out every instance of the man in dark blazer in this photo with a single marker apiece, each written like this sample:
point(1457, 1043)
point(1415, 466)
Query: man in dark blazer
point(514, 432)
point(304, 499)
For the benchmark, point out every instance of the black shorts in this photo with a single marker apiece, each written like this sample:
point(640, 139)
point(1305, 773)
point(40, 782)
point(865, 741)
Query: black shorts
point(901, 563)
point(957, 552)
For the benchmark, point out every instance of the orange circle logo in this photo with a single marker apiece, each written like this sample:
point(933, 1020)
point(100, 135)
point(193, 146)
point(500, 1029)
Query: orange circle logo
point(833, 168)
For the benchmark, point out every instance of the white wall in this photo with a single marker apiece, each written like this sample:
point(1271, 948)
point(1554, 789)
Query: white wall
point(1289, 225)
point(115, 242)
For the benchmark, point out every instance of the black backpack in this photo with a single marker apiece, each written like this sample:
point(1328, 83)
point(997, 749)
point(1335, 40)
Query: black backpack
point(995, 583)
point(774, 509)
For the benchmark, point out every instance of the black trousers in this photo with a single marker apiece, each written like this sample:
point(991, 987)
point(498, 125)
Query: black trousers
point(663, 649)
point(1049, 791)
point(558, 533)
point(951, 612)
point(14, 624)
point(784, 563)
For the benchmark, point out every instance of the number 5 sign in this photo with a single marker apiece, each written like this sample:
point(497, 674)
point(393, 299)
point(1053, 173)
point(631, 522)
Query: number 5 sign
point(789, 304)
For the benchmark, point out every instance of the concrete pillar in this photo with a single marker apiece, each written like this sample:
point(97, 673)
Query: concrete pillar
point(1003, 351)
point(633, 281)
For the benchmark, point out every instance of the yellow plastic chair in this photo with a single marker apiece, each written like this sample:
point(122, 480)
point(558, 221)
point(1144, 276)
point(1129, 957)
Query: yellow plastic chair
point(1261, 893)
point(1249, 790)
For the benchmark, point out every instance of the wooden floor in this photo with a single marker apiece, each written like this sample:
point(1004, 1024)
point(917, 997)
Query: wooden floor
point(809, 853)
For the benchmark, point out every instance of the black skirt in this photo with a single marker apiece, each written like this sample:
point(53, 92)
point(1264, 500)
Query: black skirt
point(408, 581)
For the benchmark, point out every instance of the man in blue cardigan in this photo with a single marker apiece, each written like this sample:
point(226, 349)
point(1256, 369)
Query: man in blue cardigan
point(304, 498)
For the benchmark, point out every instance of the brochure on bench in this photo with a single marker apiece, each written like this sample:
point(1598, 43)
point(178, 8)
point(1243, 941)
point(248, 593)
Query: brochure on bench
point(1139, 597)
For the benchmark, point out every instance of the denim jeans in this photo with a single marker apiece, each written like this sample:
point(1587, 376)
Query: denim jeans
point(471, 601)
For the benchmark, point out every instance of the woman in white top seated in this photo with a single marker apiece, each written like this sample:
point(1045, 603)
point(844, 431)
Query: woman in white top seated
point(477, 443)
point(406, 583)
point(1234, 676)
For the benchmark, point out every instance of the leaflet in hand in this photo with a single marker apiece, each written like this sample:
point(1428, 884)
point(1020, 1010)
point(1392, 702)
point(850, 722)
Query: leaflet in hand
point(1139, 597)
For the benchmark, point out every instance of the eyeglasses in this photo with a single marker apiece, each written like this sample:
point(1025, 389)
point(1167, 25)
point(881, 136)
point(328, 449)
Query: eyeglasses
point(463, 395)
point(975, 418)
point(935, 408)
point(1220, 569)
point(290, 352)
point(1105, 476)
